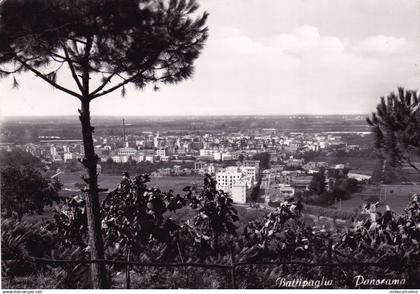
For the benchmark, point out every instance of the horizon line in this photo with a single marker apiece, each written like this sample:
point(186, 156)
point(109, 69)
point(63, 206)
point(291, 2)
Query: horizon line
point(185, 115)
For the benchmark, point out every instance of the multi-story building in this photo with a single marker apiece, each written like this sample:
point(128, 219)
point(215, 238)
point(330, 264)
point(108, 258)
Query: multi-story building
point(217, 156)
point(207, 152)
point(127, 151)
point(293, 162)
point(164, 158)
point(226, 156)
point(149, 158)
point(161, 152)
point(250, 171)
point(198, 165)
point(225, 179)
point(255, 163)
point(67, 156)
point(284, 178)
point(301, 183)
point(238, 192)
point(53, 151)
point(211, 169)
point(235, 181)
point(125, 154)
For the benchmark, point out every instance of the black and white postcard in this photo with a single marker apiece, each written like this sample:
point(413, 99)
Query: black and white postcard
point(210, 144)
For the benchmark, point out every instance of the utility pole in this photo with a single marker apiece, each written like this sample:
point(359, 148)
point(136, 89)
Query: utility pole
point(124, 138)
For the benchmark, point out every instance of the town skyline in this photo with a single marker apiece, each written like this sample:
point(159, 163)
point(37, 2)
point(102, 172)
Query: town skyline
point(235, 154)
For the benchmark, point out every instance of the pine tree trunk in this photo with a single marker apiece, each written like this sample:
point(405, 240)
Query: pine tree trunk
point(20, 214)
point(98, 270)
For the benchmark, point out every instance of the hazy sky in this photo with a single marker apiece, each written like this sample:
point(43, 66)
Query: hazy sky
point(269, 57)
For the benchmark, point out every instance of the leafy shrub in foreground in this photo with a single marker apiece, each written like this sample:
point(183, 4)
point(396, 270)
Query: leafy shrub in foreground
point(23, 239)
point(139, 215)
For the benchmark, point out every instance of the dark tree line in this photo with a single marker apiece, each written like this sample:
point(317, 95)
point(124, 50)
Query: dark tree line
point(264, 158)
point(326, 192)
point(26, 188)
point(18, 157)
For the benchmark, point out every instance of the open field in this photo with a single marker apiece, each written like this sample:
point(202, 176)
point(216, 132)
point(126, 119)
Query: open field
point(367, 165)
point(396, 196)
point(111, 181)
point(355, 163)
point(176, 183)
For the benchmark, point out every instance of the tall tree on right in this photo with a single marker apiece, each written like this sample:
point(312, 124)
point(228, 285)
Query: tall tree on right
point(396, 126)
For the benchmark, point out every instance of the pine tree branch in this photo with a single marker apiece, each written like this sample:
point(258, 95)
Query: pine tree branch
point(57, 60)
point(53, 54)
point(123, 83)
point(104, 83)
point(73, 71)
point(146, 67)
point(63, 58)
point(42, 76)
point(78, 41)
point(8, 72)
point(58, 68)
point(412, 165)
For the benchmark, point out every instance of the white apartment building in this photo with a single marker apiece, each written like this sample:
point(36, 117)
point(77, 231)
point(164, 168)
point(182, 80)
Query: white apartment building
point(149, 158)
point(238, 192)
point(211, 169)
point(217, 155)
point(53, 151)
point(127, 151)
point(250, 171)
point(227, 156)
point(124, 154)
point(120, 158)
point(227, 178)
point(207, 152)
point(164, 158)
point(161, 152)
point(68, 156)
point(138, 158)
point(235, 181)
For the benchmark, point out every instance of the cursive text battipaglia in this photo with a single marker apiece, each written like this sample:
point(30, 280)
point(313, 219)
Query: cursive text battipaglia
point(303, 283)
